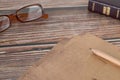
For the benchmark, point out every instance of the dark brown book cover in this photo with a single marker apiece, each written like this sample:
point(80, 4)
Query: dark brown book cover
point(106, 7)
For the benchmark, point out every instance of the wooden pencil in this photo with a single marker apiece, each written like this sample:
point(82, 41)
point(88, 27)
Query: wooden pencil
point(106, 57)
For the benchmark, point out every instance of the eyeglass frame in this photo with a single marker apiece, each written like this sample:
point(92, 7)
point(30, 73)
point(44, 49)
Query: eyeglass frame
point(14, 17)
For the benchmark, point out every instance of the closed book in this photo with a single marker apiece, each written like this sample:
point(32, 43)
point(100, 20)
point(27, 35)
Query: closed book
point(106, 7)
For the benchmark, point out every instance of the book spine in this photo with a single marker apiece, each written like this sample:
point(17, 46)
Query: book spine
point(105, 9)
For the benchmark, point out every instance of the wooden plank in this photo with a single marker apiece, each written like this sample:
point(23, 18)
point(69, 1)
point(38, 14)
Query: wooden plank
point(15, 4)
point(62, 23)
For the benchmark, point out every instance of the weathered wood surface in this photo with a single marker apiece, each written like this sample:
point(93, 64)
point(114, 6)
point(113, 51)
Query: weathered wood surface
point(14, 4)
point(24, 43)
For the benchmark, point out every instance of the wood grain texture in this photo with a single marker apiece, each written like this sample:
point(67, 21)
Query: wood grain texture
point(24, 43)
point(15, 4)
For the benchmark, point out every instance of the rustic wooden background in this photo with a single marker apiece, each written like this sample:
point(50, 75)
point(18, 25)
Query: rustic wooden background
point(24, 43)
point(13, 4)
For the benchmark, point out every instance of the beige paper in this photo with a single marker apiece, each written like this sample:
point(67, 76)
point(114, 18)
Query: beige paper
point(75, 61)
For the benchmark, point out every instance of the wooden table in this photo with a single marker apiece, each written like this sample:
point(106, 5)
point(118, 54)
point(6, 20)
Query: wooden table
point(24, 43)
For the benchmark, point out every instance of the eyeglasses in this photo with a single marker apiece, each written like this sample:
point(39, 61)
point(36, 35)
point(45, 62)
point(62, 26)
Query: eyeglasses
point(26, 14)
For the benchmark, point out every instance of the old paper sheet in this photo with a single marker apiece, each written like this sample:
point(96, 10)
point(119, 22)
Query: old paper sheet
point(75, 61)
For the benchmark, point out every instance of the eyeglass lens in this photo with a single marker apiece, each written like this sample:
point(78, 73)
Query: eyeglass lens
point(29, 13)
point(4, 23)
